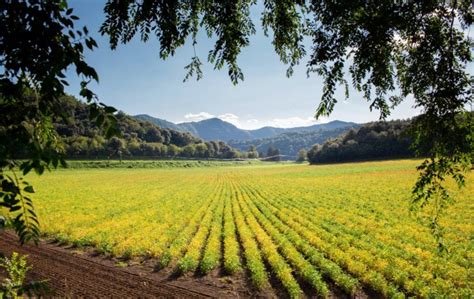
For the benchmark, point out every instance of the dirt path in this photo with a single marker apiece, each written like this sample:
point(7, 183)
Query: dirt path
point(85, 276)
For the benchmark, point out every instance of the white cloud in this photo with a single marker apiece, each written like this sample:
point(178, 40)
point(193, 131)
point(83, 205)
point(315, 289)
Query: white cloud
point(252, 123)
point(294, 121)
point(198, 116)
point(230, 118)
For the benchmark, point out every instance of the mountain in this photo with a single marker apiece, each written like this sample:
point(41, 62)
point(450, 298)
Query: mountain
point(335, 124)
point(157, 121)
point(289, 143)
point(217, 129)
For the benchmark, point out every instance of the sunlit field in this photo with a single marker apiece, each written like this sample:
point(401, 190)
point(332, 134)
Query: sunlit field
point(345, 225)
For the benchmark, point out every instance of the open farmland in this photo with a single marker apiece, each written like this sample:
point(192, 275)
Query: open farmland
point(305, 229)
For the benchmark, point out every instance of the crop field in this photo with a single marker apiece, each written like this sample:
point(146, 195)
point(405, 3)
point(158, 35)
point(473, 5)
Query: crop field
point(309, 229)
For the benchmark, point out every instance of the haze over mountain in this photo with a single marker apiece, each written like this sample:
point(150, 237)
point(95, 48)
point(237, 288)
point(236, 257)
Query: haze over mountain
point(217, 129)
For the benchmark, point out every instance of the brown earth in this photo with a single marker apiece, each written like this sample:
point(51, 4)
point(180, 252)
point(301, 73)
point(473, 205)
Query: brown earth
point(82, 272)
point(74, 273)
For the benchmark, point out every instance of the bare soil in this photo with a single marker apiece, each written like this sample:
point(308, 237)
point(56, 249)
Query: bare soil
point(82, 273)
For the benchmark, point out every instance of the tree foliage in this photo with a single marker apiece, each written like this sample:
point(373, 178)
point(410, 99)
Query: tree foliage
point(377, 140)
point(15, 285)
point(302, 155)
point(252, 152)
point(38, 42)
point(273, 154)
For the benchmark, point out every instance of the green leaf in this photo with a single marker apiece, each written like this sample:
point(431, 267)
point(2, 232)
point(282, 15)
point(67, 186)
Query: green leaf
point(110, 109)
point(29, 189)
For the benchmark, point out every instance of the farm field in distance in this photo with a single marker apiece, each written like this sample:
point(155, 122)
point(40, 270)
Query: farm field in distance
point(308, 230)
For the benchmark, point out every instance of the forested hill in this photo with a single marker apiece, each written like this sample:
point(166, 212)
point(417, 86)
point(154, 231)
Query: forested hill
point(83, 139)
point(217, 129)
point(158, 121)
point(289, 143)
point(376, 140)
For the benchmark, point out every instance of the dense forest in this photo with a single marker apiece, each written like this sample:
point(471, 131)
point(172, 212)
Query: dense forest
point(289, 143)
point(375, 140)
point(83, 139)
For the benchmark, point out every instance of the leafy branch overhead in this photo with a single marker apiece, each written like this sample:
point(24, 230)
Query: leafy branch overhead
point(38, 43)
point(381, 44)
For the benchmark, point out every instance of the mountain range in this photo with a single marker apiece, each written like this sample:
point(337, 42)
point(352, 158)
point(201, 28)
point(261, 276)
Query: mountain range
point(217, 129)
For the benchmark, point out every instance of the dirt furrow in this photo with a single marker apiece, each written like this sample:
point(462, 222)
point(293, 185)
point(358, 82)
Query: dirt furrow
point(72, 275)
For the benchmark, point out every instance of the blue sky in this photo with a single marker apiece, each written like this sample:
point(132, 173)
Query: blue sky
point(135, 80)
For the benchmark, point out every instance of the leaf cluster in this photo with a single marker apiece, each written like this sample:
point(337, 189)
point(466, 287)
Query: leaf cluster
point(14, 286)
point(38, 43)
point(15, 194)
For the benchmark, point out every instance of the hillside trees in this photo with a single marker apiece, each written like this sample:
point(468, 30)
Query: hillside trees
point(189, 150)
point(116, 146)
point(377, 140)
point(273, 154)
point(83, 139)
point(302, 155)
point(153, 135)
point(252, 152)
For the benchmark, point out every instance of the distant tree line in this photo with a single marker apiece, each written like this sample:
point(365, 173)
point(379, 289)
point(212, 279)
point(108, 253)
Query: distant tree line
point(83, 139)
point(302, 155)
point(273, 154)
point(288, 143)
point(376, 140)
